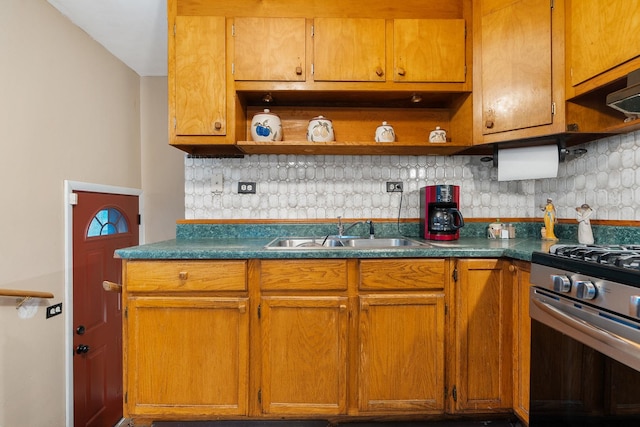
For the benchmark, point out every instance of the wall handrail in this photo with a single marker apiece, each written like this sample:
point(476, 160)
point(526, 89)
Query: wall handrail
point(111, 286)
point(25, 295)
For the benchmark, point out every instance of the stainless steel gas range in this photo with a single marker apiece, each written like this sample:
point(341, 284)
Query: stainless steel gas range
point(585, 336)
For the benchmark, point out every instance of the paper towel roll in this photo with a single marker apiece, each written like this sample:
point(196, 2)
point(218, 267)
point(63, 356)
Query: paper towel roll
point(528, 163)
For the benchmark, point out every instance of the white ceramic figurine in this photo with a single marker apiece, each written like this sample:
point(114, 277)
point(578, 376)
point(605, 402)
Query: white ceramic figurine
point(585, 234)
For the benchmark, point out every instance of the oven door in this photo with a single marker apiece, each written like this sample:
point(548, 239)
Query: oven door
point(585, 365)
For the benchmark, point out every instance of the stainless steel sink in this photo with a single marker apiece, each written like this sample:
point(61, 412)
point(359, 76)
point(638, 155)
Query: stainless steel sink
point(382, 243)
point(304, 243)
point(335, 242)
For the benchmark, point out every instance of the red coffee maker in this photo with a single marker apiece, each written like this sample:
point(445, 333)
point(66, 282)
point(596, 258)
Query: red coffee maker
point(440, 218)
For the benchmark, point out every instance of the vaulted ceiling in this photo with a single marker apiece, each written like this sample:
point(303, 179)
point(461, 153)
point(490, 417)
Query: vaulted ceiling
point(135, 31)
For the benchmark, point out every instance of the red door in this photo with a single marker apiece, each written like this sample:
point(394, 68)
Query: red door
point(102, 223)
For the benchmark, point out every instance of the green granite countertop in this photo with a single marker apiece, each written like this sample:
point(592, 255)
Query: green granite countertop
point(244, 241)
point(245, 248)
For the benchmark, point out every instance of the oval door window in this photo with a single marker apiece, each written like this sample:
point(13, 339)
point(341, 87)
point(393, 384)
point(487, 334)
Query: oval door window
point(107, 221)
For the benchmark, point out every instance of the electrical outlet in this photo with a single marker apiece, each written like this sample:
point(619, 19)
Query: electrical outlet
point(217, 182)
point(394, 187)
point(54, 310)
point(246, 188)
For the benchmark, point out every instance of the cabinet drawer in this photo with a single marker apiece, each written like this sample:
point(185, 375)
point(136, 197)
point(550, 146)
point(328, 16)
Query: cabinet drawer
point(409, 274)
point(186, 276)
point(319, 275)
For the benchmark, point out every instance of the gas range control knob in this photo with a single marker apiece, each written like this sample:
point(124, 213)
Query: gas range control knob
point(585, 289)
point(634, 306)
point(561, 283)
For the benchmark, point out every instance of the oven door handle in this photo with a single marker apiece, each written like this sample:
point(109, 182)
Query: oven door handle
point(593, 331)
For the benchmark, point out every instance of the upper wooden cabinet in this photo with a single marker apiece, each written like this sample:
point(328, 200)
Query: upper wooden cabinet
point(601, 51)
point(200, 79)
point(602, 35)
point(539, 70)
point(429, 50)
point(346, 61)
point(269, 49)
point(514, 74)
point(542, 70)
point(349, 49)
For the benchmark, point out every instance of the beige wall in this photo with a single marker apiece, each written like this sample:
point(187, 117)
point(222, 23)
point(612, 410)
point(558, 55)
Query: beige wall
point(162, 165)
point(68, 110)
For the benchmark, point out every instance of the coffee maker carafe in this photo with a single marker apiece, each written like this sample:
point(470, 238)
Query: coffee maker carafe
point(440, 218)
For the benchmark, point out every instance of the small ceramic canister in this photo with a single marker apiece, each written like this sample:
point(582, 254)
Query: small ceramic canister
point(266, 126)
point(320, 129)
point(385, 133)
point(438, 135)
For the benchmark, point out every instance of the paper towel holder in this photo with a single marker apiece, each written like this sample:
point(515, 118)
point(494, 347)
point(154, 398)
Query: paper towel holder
point(563, 152)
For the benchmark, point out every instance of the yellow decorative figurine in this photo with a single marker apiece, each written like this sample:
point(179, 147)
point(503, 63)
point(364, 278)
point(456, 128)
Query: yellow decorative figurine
point(549, 220)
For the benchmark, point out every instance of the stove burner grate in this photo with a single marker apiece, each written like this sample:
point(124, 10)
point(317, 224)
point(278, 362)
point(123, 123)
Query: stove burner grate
point(621, 256)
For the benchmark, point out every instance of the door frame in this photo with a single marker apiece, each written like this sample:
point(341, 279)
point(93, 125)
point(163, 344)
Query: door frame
point(69, 202)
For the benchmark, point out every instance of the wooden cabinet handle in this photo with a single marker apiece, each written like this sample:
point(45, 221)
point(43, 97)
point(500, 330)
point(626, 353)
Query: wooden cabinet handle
point(217, 125)
point(299, 71)
point(379, 71)
point(343, 308)
point(242, 308)
point(488, 124)
point(512, 268)
point(183, 275)
point(401, 71)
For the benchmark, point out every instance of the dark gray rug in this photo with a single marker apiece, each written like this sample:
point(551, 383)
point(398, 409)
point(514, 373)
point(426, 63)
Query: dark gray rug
point(324, 423)
point(458, 423)
point(253, 423)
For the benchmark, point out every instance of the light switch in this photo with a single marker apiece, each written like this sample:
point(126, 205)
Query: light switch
point(217, 183)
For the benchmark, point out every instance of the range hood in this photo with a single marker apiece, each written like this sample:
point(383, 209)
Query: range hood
point(627, 100)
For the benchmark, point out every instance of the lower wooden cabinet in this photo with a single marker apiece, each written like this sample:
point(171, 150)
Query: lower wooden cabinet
point(401, 335)
point(304, 355)
point(482, 337)
point(521, 272)
point(186, 356)
point(186, 339)
point(320, 338)
point(401, 353)
point(303, 325)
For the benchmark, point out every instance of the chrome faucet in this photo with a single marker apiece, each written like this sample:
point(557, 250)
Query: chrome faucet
point(342, 229)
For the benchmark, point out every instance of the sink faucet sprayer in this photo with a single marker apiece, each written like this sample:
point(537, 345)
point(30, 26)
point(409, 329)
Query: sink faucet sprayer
point(342, 229)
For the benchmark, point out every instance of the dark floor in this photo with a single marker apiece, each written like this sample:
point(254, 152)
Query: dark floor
point(323, 423)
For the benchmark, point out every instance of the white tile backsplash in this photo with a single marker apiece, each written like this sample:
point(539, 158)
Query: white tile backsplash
point(607, 177)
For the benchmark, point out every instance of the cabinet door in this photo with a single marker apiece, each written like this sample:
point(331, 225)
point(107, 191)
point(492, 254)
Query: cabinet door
point(401, 353)
point(200, 81)
point(515, 64)
point(621, 385)
point(482, 336)
point(269, 49)
point(429, 50)
point(187, 356)
point(348, 49)
point(521, 339)
point(304, 355)
point(604, 34)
